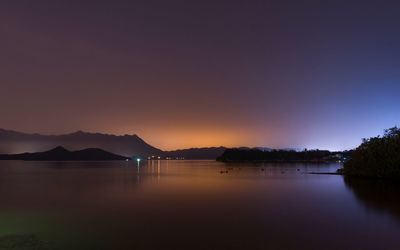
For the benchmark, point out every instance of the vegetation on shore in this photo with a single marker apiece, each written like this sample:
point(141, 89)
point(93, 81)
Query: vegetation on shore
point(257, 155)
point(377, 157)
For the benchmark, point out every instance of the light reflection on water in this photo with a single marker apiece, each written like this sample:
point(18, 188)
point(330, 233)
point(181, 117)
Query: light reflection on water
point(193, 205)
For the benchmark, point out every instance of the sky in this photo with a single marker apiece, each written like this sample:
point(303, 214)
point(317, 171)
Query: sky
point(287, 73)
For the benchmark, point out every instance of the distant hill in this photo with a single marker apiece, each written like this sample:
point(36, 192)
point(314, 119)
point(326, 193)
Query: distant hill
point(62, 154)
point(210, 153)
point(12, 142)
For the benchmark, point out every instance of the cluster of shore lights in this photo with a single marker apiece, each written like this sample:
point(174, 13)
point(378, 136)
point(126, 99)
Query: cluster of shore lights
point(175, 158)
point(154, 157)
point(166, 158)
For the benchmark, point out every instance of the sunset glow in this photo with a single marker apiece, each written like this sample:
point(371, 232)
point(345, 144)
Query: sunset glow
point(279, 75)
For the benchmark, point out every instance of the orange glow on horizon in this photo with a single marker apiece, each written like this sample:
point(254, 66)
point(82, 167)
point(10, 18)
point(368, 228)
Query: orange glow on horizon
point(172, 139)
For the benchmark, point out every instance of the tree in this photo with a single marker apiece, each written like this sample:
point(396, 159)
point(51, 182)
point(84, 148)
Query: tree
point(376, 156)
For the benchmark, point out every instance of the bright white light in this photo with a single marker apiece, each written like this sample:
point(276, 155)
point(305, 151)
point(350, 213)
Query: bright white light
point(138, 159)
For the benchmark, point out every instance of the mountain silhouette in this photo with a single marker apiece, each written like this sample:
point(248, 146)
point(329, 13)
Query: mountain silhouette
point(62, 154)
point(12, 142)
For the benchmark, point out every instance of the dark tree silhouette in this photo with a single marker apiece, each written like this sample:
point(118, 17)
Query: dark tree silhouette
point(376, 157)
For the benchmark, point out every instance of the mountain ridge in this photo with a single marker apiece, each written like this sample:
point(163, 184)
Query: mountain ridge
point(14, 142)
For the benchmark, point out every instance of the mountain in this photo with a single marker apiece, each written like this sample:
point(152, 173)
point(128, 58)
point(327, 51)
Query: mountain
point(210, 153)
point(12, 142)
point(62, 154)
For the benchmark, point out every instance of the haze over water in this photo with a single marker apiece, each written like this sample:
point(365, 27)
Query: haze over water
point(192, 205)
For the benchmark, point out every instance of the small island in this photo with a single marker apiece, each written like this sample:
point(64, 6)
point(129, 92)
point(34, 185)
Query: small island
point(62, 154)
point(258, 155)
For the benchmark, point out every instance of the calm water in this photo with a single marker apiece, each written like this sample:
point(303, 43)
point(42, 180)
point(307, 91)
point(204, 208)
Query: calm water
point(191, 205)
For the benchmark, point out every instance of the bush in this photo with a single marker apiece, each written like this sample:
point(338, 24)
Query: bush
point(376, 157)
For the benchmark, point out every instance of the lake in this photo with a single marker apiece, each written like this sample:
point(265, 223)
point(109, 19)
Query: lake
point(192, 205)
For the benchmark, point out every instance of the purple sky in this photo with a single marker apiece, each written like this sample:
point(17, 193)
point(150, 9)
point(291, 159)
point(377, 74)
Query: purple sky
point(201, 73)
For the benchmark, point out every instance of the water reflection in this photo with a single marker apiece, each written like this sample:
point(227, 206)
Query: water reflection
point(186, 205)
point(378, 195)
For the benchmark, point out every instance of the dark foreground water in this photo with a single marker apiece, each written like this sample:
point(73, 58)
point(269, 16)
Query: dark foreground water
point(192, 205)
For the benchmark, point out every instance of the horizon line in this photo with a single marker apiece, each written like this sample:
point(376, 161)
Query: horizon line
point(193, 147)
